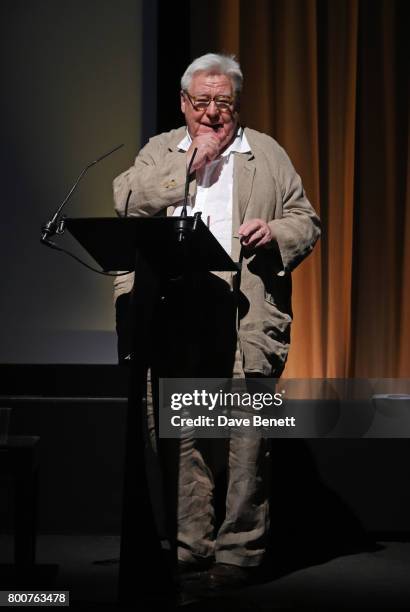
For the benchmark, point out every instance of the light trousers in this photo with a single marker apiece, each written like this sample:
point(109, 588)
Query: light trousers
point(241, 539)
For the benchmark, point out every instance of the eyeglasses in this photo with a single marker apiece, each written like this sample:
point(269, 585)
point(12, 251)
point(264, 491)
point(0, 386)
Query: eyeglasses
point(201, 103)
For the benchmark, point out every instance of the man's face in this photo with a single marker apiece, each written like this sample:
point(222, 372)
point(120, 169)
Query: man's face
point(212, 120)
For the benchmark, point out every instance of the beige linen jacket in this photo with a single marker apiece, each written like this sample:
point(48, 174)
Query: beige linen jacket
point(265, 186)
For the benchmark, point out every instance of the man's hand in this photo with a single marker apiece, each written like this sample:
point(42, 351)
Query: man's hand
point(208, 149)
point(255, 233)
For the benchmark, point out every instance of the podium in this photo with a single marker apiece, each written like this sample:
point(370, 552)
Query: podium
point(159, 250)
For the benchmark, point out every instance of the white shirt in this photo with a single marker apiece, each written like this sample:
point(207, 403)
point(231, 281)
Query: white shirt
point(214, 189)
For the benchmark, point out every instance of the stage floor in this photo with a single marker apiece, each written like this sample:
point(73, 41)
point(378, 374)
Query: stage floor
point(88, 568)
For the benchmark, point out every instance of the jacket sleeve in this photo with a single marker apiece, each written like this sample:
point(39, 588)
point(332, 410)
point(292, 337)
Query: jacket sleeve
point(298, 228)
point(156, 180)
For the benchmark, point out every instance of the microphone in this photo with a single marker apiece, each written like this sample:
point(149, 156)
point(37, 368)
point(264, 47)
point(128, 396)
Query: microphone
point(182, 223)
point(127, 202)
point(55, 225)
point(188, 172)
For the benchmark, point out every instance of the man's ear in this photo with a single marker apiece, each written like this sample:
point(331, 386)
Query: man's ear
point(183, 102)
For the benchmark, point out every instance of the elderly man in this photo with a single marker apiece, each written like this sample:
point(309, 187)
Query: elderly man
point(253, 200)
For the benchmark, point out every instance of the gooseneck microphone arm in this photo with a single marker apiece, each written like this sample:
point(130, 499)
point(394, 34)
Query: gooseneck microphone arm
point(188, 172)
point(127, 203)
point(52, 227)
point(182, 225)
point(56, 223)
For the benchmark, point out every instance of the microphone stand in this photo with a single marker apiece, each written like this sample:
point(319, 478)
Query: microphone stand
point(183, 226)
point(56, 224)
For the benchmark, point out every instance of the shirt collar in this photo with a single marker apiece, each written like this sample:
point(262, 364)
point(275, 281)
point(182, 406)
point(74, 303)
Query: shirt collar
point(239, 144)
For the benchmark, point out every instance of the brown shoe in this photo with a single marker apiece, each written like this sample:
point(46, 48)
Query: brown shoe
point(223, 576)
point(197, 565)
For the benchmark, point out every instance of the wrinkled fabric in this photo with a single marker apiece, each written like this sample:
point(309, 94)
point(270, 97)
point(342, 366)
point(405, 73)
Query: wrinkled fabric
point(265, 186)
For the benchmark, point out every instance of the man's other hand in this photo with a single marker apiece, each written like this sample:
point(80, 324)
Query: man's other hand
point(208, 149)
point(255, 233)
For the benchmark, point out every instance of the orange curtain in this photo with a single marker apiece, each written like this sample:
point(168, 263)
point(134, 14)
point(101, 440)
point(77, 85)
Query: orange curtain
point(328, 80)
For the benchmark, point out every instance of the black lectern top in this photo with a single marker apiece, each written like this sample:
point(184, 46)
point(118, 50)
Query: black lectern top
point(173, 243)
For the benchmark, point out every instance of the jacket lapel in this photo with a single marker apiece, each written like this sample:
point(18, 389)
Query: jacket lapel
point(243, 176)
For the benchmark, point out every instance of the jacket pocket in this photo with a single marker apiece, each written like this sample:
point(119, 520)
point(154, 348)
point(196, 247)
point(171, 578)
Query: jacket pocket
point(279, 320)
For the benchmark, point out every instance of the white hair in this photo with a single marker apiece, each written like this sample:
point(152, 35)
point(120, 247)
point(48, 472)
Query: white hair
point(214, 63)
